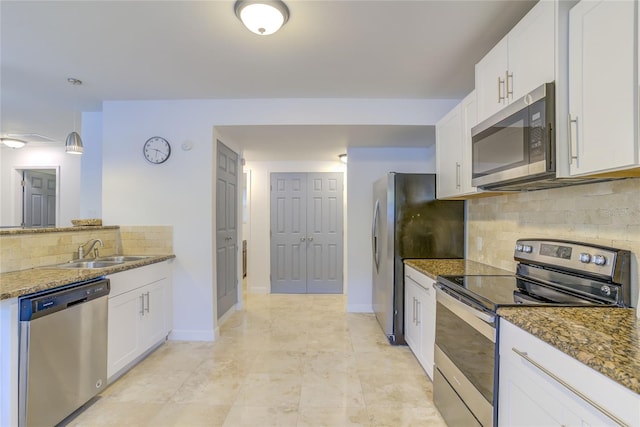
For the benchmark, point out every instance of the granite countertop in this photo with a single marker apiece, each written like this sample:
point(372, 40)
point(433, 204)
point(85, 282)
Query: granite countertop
point(17, 283)
point(446, 267)
point(605, 339)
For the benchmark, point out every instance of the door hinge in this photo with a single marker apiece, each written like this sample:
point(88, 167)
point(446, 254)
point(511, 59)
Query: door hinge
point(23, 183)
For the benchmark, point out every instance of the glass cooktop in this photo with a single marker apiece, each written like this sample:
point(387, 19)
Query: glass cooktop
point(495, 291)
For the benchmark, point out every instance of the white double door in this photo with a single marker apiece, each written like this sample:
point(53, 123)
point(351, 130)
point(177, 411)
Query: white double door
point(307, 232)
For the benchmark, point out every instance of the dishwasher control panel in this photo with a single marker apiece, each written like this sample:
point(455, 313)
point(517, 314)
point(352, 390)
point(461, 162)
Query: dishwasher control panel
point(47, 302)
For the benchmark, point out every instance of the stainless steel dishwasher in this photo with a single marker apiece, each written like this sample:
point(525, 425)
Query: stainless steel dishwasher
point(63, 351)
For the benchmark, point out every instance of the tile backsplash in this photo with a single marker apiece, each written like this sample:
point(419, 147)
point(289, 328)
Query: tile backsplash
point(21, 251)
point(605, 213)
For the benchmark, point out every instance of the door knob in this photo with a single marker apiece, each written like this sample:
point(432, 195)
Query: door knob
point(302, 239)
point(310, 239)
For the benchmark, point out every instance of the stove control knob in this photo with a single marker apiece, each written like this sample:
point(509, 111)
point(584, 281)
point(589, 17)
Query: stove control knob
point(605, 290)
point(599, 260)
point(518, 247)
point(527, 249)
point(585, 258)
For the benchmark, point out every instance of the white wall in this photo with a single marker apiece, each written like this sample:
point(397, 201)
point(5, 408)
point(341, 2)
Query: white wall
point(46, 157)
point(258, 246)
point(366, 165)
point(91, 170)
point(180, 192)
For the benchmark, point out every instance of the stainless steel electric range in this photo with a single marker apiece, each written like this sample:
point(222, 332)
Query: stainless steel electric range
point(549, 272)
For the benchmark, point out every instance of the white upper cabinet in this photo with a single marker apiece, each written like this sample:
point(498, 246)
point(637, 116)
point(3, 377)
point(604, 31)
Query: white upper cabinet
point(603, 89)
point(453, 150)
point(523, 60)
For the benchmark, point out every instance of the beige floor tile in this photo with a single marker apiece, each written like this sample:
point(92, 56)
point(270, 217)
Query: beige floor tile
point(270, 390)
point(287, 360)
point(333, 417)
point(109, 413)
point(261, 416)
point(190, 415)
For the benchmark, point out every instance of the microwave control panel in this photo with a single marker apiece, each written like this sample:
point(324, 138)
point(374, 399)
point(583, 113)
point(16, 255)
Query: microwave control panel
point(537, 132)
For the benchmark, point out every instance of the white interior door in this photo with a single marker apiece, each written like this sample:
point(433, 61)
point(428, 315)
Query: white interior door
point(39, 199)
point(306, 233)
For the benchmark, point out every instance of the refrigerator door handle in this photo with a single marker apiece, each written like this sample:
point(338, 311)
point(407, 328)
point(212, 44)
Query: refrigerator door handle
point(374, 236)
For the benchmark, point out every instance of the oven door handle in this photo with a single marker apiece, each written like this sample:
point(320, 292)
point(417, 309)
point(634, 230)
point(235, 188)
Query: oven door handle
point(481, 321)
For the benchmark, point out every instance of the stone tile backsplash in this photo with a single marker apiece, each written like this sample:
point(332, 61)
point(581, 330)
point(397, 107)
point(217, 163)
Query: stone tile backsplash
point(605, 213)
point(24, 251)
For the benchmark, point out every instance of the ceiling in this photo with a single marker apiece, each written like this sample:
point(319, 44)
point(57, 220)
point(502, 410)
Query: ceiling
point(160, 50)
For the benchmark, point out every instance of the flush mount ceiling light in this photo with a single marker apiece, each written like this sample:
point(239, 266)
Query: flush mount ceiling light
point(13, 143)
point(343, 158)
point(262, 17)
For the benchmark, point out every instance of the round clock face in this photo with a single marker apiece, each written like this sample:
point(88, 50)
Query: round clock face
point(156, 150)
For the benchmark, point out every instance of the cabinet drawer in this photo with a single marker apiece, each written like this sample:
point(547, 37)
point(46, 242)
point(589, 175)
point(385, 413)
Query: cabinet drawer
point(126, 281)
point(420, 278)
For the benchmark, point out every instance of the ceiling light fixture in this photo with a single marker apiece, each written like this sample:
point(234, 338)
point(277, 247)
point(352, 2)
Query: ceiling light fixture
point(74, 144)
point(13, 143)
point(262, 17)
point(343, 158)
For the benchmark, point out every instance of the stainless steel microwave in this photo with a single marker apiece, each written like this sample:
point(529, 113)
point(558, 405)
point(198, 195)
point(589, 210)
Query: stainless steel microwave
point(516, 147)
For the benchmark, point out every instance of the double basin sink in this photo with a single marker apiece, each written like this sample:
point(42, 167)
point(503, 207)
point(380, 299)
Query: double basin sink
point(102, 262)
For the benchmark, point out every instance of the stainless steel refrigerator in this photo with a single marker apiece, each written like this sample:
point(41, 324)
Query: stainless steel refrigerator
point(408, 222)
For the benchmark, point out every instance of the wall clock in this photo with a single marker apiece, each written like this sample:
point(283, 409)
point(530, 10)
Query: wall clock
point(156, 150)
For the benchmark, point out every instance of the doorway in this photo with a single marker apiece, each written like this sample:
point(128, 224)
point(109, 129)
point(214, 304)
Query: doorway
point(39, 198)
point(226, 228)
point(307, 233)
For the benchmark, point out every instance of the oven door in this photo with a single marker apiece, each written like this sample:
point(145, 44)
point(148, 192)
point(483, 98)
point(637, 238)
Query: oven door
point(465, 360)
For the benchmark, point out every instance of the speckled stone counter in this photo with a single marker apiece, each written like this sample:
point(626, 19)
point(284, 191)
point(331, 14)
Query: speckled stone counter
point(605, 339)
point(17, 283)
point(443, 267)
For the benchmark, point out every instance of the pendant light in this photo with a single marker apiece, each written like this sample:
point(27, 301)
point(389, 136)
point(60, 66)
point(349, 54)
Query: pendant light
point(262, 17)
point(73, 145)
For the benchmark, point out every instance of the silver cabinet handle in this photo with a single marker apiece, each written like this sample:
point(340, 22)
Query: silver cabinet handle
point(458, 175)
point(509, 87)
point(418, 312)
point(572, 156)
point(500, 95)
point(142, 304)
point(147, 309)
point(553, 376)
point(302, 239)
point(414, 310)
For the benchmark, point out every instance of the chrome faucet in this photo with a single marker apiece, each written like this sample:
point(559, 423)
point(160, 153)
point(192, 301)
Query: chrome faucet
point(93, 246)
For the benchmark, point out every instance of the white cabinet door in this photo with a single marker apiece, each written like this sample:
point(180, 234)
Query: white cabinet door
point(491, 72)
point(420, 320)
point(602, 86)
point(411, 332)
point(449, 154)
point(154, 319)
point(453, 150)
point(523, 60)
point(124, 334)
point(538, 385)
point(428, 319)
point(532, 51)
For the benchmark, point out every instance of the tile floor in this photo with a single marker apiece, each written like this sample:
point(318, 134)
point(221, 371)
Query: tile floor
point(286, 360)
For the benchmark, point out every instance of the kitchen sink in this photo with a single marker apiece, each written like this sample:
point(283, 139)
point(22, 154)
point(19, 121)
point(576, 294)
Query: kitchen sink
point(122, 258)
point(89, 264)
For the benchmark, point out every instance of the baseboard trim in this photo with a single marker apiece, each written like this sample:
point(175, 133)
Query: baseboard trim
point(359, 308)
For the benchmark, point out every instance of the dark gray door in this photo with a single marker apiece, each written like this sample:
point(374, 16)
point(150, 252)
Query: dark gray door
point(39, 199)
point(306, 233)
point(226, 228)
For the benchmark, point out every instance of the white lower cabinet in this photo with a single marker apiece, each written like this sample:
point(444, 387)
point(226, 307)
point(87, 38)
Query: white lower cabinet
point(420, 316)
point(139, 314)
point(541, 386)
